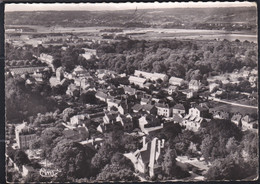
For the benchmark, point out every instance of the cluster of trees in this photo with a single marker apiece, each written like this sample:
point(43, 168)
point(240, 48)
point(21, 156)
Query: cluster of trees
point(18, 53)
point(185, 59)
point(243, 85)
point(82, 162)
point(233, 153)
point(21, 63)
point(109, 163)
point(20, 101)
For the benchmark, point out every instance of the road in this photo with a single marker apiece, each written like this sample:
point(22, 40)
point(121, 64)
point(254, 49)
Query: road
point(232, 103)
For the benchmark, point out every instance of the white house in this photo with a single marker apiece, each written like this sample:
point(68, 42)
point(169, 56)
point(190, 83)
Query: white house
point(151, 76)
point(113, 103)
point(248, 123)
point(77, 119)
point(196, 116)
point(176, 81)
point(137, 81)
point(163, 109)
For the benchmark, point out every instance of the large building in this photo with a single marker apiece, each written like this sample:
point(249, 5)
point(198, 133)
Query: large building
point(137, 81)
point(146, 159)
point(24, 135)
point(176, 81)
point(151, 76)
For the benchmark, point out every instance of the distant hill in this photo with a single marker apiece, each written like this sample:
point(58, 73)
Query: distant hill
point(172, 18)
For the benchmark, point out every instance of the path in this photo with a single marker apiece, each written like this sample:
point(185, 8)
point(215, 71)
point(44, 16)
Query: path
point(232, 103)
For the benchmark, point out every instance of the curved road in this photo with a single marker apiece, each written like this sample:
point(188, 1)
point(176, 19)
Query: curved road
point(232, 103)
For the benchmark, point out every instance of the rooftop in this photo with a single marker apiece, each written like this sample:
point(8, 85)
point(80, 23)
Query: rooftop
point(179, 106)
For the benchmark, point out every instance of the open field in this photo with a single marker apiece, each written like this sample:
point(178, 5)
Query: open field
point(150, 33)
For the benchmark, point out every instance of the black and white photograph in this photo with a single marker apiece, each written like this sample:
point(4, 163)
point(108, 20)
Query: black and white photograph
point(131, 92)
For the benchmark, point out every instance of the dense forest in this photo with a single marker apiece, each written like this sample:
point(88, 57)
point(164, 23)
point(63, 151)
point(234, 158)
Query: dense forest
point(184, 59)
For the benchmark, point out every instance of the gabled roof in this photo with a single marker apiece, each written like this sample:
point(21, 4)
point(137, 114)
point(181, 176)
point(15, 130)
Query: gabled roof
point(137, 107)
point(129, 89)
point(137, 79)
point(148, 84)
point(115, 101)
point(148, 107)
point(247, 119)
point(176, 79)
point(145, 100)
point(179, 106)
point(201, 108)
point(162, 105)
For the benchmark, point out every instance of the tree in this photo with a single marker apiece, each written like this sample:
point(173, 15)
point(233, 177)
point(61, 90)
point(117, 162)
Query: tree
point(230, 168)
point(216, 136)
point(115, 172)
point(88, 97)
point(72, 158)
point(169, 162)
point(170, 131)
point(21, 158)
point(120, 169)
point(56, 63)
point(48, 139)
point(102, 157)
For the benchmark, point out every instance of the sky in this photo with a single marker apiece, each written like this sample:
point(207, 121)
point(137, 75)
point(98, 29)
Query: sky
point(118, 6)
